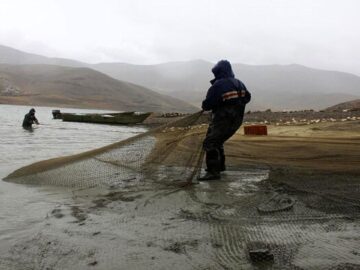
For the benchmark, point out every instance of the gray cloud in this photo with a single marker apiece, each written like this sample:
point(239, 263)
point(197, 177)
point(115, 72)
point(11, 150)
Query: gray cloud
point(322, 33)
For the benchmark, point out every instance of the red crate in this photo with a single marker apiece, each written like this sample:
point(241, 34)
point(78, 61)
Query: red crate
point(255, 130)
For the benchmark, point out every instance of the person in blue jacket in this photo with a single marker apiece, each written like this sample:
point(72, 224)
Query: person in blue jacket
point(226, 99)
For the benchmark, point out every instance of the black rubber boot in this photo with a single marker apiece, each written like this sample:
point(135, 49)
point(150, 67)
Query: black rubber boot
point(222, 168)
point(221, 163)
point(209, 176)
point(213, 166)
point(222, 159)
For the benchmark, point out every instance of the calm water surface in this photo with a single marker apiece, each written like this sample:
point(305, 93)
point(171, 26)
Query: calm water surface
point(22, 207)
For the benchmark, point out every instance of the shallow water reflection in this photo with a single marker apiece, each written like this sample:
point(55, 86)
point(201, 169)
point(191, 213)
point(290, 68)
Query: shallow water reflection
point(23, 208)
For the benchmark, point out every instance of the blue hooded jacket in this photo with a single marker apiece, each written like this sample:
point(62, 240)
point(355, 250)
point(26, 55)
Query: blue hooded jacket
point(225, 89)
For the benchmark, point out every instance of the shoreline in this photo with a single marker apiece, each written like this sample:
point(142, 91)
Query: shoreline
point(214, 225)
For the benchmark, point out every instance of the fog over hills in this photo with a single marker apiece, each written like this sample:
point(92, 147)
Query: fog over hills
point(350, 105)
point(12, 56)
point(79, 87)
point(272, 86)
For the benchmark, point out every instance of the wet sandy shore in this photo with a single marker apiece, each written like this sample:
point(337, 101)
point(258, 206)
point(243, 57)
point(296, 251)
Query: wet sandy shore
point(212, 225)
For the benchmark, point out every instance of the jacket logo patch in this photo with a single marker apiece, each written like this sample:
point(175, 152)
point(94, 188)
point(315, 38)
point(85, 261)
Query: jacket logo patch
point(231, 95)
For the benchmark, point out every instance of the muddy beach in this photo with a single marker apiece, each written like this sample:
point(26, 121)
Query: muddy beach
point(214, 225)
point(206, 226)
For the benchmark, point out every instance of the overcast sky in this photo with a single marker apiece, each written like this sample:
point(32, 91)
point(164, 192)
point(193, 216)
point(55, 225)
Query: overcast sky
point(316, 33)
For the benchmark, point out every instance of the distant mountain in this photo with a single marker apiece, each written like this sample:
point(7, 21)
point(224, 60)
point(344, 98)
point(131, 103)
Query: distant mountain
point(274, 86)
point(79, 87)
point(348, 106)
point(12, 56)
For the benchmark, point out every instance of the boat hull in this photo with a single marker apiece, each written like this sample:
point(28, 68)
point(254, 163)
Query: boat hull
point(126, 118)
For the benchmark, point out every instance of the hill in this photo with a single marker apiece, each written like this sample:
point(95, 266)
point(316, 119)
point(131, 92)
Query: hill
point(277, 87)
point(12, 56)
point(353, 105)
point(79, 87)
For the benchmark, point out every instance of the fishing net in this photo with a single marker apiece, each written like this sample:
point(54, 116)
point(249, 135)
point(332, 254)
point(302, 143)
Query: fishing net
point(270, 219)
point(172, 151)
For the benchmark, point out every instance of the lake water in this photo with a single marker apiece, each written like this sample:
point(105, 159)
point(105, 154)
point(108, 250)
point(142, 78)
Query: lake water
point(52, 138)
point(22, 206)
point(52, 227)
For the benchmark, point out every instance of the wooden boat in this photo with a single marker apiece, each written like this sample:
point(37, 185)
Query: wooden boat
point(56, 114)
point(124, 118)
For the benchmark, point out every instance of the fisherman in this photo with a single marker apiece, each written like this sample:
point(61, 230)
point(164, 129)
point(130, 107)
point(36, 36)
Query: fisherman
point(226, 99)
point(30, 119)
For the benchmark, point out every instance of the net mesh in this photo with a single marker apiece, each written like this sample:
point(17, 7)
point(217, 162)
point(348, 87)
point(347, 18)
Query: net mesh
point(287, 219)
point(174, 149)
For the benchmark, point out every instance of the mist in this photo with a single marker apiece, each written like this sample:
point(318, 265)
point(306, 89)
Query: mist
point(320, 34)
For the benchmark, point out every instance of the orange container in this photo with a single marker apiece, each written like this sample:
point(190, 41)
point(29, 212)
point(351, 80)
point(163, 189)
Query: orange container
point(255, 130)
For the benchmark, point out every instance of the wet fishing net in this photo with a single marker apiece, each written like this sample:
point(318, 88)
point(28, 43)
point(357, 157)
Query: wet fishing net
point(172, 152)
point(251, 219)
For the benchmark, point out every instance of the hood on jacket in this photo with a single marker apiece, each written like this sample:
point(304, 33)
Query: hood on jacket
point(222, 70)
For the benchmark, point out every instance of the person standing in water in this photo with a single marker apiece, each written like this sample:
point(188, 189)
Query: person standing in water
point(226, 99)
point(30, 119)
